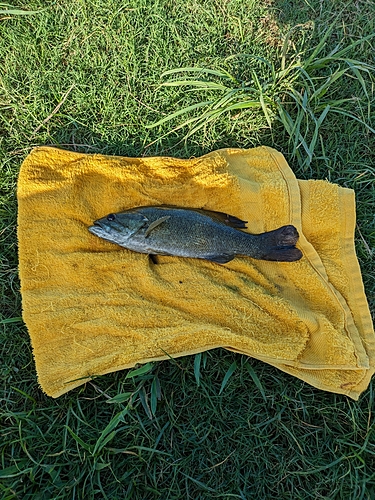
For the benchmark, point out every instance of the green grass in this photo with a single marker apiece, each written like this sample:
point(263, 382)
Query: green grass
point(298, 93)
point(217, 425)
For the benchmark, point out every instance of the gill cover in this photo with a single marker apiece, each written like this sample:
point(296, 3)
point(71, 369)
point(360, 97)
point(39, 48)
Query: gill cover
point(118, 227)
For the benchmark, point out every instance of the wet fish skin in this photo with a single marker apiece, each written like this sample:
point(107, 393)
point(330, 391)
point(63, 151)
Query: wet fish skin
point(164, 230)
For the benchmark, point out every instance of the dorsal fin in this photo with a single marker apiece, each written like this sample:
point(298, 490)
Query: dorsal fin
point(220, 259)
point(227, 219)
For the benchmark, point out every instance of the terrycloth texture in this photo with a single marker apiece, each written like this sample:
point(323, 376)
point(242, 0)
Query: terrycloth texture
point(92, 307)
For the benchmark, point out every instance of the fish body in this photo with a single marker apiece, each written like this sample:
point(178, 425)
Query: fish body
point(201, 234)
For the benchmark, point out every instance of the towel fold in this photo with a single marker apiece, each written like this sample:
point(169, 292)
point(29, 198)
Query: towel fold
point(92, 307)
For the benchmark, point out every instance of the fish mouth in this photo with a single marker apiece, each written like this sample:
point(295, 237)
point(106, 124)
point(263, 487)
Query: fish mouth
point(97, 229)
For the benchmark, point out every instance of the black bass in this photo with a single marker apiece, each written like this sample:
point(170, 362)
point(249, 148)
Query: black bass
point(200, 234)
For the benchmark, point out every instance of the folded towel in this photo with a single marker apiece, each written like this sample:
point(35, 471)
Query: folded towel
point(92, 307)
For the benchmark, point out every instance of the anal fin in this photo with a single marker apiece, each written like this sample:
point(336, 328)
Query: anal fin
point(153, 258)
point(220, 259)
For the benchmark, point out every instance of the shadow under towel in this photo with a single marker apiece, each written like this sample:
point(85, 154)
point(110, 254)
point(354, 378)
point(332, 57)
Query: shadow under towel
point(92, 307)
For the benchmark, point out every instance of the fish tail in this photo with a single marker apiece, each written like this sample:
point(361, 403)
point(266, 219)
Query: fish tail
point(279, 244)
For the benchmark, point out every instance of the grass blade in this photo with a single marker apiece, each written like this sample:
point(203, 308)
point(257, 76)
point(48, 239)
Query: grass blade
point(144, 401)
point(323, 115)
point(285, 46)
point(109, 432)
point(155, 394)
point(350, 47)
point(265, 110)
point(7, 321)
point(201, 84)
point(208, 117)
point(321, 91)
point(317, 50)
point(140, 371)
point(14, 471)
point(316, 132)
point(180, 112)
point(228, 375)
point(120, 398)
point(357, 73)
point(220, 73)
point(256, 380)
point(78, 439)
point(244, 105)
point(227, 98)
point(353, 117)
point(197, 367)
point(18, 12)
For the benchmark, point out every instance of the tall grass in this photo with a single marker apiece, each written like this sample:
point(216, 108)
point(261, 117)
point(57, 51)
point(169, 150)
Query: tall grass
point(298, 91)
point(9, 10)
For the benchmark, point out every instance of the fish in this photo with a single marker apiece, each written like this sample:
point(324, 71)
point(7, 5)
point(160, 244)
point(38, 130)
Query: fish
point(194, 233)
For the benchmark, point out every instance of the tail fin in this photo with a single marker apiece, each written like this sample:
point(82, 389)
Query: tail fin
point(279, 245)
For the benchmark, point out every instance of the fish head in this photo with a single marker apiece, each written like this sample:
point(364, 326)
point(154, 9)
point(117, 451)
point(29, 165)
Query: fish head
point(118, 228)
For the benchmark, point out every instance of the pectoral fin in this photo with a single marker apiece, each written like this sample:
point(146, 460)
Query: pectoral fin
point(155, 224)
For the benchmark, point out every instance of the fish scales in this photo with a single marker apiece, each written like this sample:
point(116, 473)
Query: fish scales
point(195, 233)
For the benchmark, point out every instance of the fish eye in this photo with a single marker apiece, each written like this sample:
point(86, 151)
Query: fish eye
point(111, 217)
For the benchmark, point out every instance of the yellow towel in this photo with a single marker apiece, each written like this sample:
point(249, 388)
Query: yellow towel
point(92, 307)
